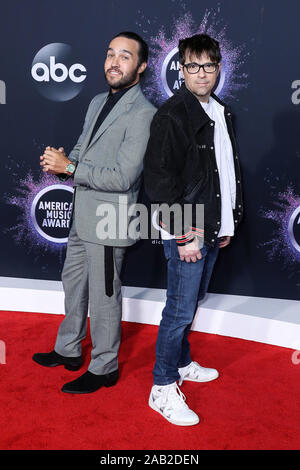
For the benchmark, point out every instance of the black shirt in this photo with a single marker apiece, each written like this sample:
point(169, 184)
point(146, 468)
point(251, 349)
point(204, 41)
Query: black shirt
point(111, 101)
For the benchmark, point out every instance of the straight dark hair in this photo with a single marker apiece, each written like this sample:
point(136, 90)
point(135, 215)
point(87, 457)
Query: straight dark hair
point(198, 44)
point(143, 46)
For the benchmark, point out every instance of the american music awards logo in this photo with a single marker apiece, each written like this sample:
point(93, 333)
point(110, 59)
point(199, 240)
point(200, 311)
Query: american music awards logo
point(44, 212)
point(51, 211)
point(171, 76)
point(285, 239)
point(294, 228)
point(164, 77)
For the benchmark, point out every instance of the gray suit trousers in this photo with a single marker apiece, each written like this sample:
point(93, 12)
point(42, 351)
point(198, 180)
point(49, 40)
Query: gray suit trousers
point(83, 280)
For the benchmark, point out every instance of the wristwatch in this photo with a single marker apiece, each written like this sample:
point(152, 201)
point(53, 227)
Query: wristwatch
point(70, 168)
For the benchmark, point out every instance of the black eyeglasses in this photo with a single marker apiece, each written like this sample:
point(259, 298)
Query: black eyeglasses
point(193, 67)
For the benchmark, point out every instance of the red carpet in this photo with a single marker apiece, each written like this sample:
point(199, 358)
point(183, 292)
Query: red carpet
point(253, 405)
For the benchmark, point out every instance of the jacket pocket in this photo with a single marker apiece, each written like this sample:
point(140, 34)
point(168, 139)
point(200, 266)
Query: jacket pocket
point(195, 189)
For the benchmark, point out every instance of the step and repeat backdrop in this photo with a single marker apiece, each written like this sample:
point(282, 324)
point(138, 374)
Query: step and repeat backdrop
point(51, 66)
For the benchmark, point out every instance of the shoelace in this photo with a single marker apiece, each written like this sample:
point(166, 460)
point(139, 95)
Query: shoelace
point(192, 372)
point(173, 399)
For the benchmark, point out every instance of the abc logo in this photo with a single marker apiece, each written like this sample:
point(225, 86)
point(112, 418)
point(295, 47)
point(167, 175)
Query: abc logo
point(57, 73)
point(294, 228)
point(172, 78)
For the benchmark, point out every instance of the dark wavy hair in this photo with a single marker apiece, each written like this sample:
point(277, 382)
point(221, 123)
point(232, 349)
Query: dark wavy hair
point(198, 44)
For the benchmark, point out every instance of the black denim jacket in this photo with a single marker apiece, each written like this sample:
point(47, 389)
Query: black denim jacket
point(180, 164)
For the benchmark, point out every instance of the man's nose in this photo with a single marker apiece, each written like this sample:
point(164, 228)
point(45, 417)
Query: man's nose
point(201, 73)
point(115, 61)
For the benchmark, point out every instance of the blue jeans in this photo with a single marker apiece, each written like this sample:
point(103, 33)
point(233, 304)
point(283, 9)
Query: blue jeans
point(187, 284)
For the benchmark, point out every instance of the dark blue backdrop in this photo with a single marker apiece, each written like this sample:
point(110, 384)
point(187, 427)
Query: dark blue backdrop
point(260, 41)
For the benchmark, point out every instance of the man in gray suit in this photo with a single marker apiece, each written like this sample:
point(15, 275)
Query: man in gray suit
point(106, 164)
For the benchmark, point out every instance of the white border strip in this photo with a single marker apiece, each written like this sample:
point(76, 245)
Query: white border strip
point(280, 326)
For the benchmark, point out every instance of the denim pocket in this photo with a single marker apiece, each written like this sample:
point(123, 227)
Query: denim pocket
point(167, 249)
point(174, 250)
point(204, 250)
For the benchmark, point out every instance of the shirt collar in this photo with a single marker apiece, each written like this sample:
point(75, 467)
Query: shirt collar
point(194, 109)
point(119, 93)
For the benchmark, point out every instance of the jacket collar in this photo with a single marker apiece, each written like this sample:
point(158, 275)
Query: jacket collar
point(122, 106)
point(195, 111)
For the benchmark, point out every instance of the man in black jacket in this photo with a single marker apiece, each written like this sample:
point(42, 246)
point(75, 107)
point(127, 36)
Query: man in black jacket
point(191, 158)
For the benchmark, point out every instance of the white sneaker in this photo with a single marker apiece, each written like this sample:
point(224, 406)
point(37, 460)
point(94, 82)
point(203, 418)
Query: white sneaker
point(195, 373)
point(169, 401)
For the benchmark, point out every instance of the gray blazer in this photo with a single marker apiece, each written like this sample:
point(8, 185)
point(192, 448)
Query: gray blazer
point(109, 168)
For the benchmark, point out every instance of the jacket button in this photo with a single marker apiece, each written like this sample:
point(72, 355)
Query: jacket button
point(218, 195)
point(213, 240)
point(216, 233)
point(212, 123)
point(218, 223)
point(236, 221)
point(211, 148)
point(216, 170)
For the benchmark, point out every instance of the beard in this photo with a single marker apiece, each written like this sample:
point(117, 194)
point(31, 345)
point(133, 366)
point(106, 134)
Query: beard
point(124, 81)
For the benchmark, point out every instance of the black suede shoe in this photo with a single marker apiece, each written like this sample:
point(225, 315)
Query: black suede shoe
point(88, 382)
point(53, 359)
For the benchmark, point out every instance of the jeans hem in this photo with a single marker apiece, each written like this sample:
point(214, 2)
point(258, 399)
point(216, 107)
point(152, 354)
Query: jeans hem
point(167, 382)
point(180, 367)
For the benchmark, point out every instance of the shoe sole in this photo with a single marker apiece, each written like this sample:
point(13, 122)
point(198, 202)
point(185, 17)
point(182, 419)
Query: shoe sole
point(66, 366)
point(73, 368)
point(74, 392)
point(172, 421)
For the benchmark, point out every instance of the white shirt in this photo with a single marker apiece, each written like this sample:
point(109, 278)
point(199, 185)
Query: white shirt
point(225, 165)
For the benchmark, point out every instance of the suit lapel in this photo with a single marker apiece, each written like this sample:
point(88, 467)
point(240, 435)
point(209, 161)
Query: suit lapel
point(88, 135)
point(122, 106)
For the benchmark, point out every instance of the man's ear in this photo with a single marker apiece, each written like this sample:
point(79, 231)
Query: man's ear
point(142, 67)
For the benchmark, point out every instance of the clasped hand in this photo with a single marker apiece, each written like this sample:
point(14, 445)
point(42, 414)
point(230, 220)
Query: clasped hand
point(54, 161)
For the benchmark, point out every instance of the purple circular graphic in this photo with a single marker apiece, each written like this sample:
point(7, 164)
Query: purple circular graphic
point(165, 78)
point(51, 212)
point(285, 239)
point(294, 228)
point(28, 229)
